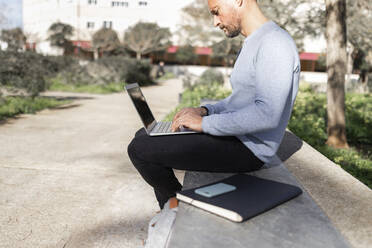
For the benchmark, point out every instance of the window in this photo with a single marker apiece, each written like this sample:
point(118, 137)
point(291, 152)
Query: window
point(142, 3)
point(92, 2)
point(119, 4)
point(107, 24)
point(90, 25)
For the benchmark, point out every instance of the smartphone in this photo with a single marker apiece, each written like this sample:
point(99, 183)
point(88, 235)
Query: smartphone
point(215, 189)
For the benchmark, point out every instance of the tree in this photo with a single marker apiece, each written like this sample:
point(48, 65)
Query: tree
point(227, 50)
point(197, 26)
point(299, 17)
point(105, 40)
point(336, 68)
point(314, 20)
point(14, 38)
point(146, 37)
point(359, 37)
point(59, 36)
point(186, 54)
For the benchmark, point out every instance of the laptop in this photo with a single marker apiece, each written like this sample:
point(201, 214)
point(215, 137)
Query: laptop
point(152, 127)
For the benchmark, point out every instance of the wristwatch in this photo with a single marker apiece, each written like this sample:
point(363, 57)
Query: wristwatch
point(206, 109)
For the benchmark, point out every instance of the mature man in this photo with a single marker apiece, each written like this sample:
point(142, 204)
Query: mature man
point(243, 131)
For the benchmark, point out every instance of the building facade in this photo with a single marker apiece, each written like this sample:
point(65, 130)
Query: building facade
point(88, 16)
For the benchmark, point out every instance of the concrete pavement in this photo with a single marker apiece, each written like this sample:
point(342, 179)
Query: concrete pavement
point(65, 177)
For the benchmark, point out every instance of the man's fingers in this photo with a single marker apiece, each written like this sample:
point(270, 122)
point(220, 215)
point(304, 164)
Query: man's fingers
point(179, 113)
point(175, 125)
point(182, 112)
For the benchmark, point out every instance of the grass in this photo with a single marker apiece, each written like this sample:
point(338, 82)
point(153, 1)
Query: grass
point(352, 161)
point(310, 110)
point(11, 106)
point(166, 76)
point(91, 88)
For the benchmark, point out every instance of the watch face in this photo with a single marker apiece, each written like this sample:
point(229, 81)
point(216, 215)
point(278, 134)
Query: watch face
point(206, 109)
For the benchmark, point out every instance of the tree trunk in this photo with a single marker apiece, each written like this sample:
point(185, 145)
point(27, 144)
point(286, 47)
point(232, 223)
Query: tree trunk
point(336, 68)
point(138, 55)
point(350, 61)
point(96, 54)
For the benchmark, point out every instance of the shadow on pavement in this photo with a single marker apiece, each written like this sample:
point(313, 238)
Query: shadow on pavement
point(68, 106)
point(69, 98)
point(111, 233)
point(10, 120)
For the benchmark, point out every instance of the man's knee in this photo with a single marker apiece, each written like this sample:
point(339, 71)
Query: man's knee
point(132, 147)
point(140, 132)
point(134, 144)
point(137, 147)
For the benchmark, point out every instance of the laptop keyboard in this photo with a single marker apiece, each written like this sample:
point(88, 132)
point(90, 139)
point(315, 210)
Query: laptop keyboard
point(162, 127)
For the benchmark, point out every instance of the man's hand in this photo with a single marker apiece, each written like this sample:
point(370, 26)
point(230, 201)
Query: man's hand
point(190, 118)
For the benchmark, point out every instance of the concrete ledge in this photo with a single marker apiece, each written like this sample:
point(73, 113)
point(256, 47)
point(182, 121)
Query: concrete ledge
point(340, 216)
point(345, 200)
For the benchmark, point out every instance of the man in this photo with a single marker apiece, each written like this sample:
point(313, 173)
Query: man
point(243, 131)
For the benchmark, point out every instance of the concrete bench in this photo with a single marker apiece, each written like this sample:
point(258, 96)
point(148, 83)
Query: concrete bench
point(297, 223)
point(333, 211)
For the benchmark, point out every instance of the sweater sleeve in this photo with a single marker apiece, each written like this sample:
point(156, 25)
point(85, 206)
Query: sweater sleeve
point(217, 107)
point(274, 76)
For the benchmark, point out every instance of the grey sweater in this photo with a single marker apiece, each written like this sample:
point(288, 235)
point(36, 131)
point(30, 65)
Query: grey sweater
point(264, 84)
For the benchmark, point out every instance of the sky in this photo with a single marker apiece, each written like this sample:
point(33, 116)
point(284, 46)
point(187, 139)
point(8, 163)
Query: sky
point(13, 13)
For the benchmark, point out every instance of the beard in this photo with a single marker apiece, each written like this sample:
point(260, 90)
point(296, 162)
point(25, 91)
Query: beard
point(231, 31)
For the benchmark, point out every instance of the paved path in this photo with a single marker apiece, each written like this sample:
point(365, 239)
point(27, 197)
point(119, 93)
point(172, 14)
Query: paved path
point(65, 177)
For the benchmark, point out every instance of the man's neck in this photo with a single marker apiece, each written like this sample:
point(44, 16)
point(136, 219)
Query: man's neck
point(252, 19)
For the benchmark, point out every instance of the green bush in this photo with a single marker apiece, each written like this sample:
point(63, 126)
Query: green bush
point(106, 70)
point(29, 71)
point(211, 76)
point(127, 69)
point(359, 118)
point(11, 106)
point(34, 72)
point(309, 115)
point(139, 72)
point(22, 71)
point(192, 97)
point(352, 161)
point(56, 85)
point(308, 121)
point(55, 64)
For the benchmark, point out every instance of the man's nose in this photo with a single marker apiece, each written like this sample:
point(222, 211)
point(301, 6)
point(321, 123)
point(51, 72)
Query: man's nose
point(216, 21)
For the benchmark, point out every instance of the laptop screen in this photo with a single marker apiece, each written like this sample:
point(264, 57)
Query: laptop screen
point(141, 105)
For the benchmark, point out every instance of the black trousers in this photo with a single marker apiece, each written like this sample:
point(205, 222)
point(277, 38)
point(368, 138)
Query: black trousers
point(154, 158)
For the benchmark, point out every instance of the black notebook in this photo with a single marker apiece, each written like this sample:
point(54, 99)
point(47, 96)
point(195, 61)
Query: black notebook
point(252, 196)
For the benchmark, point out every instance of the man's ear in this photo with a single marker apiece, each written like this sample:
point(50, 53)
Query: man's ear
point(239, 2)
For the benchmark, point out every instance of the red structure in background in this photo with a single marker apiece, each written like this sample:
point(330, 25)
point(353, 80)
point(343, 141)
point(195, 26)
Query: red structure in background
point(308, 61)
point(198, 50)
point(30, 46)
point(83, 49)
point(82, 44)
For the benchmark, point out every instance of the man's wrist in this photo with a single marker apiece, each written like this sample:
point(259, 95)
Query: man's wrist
point(204, 111)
